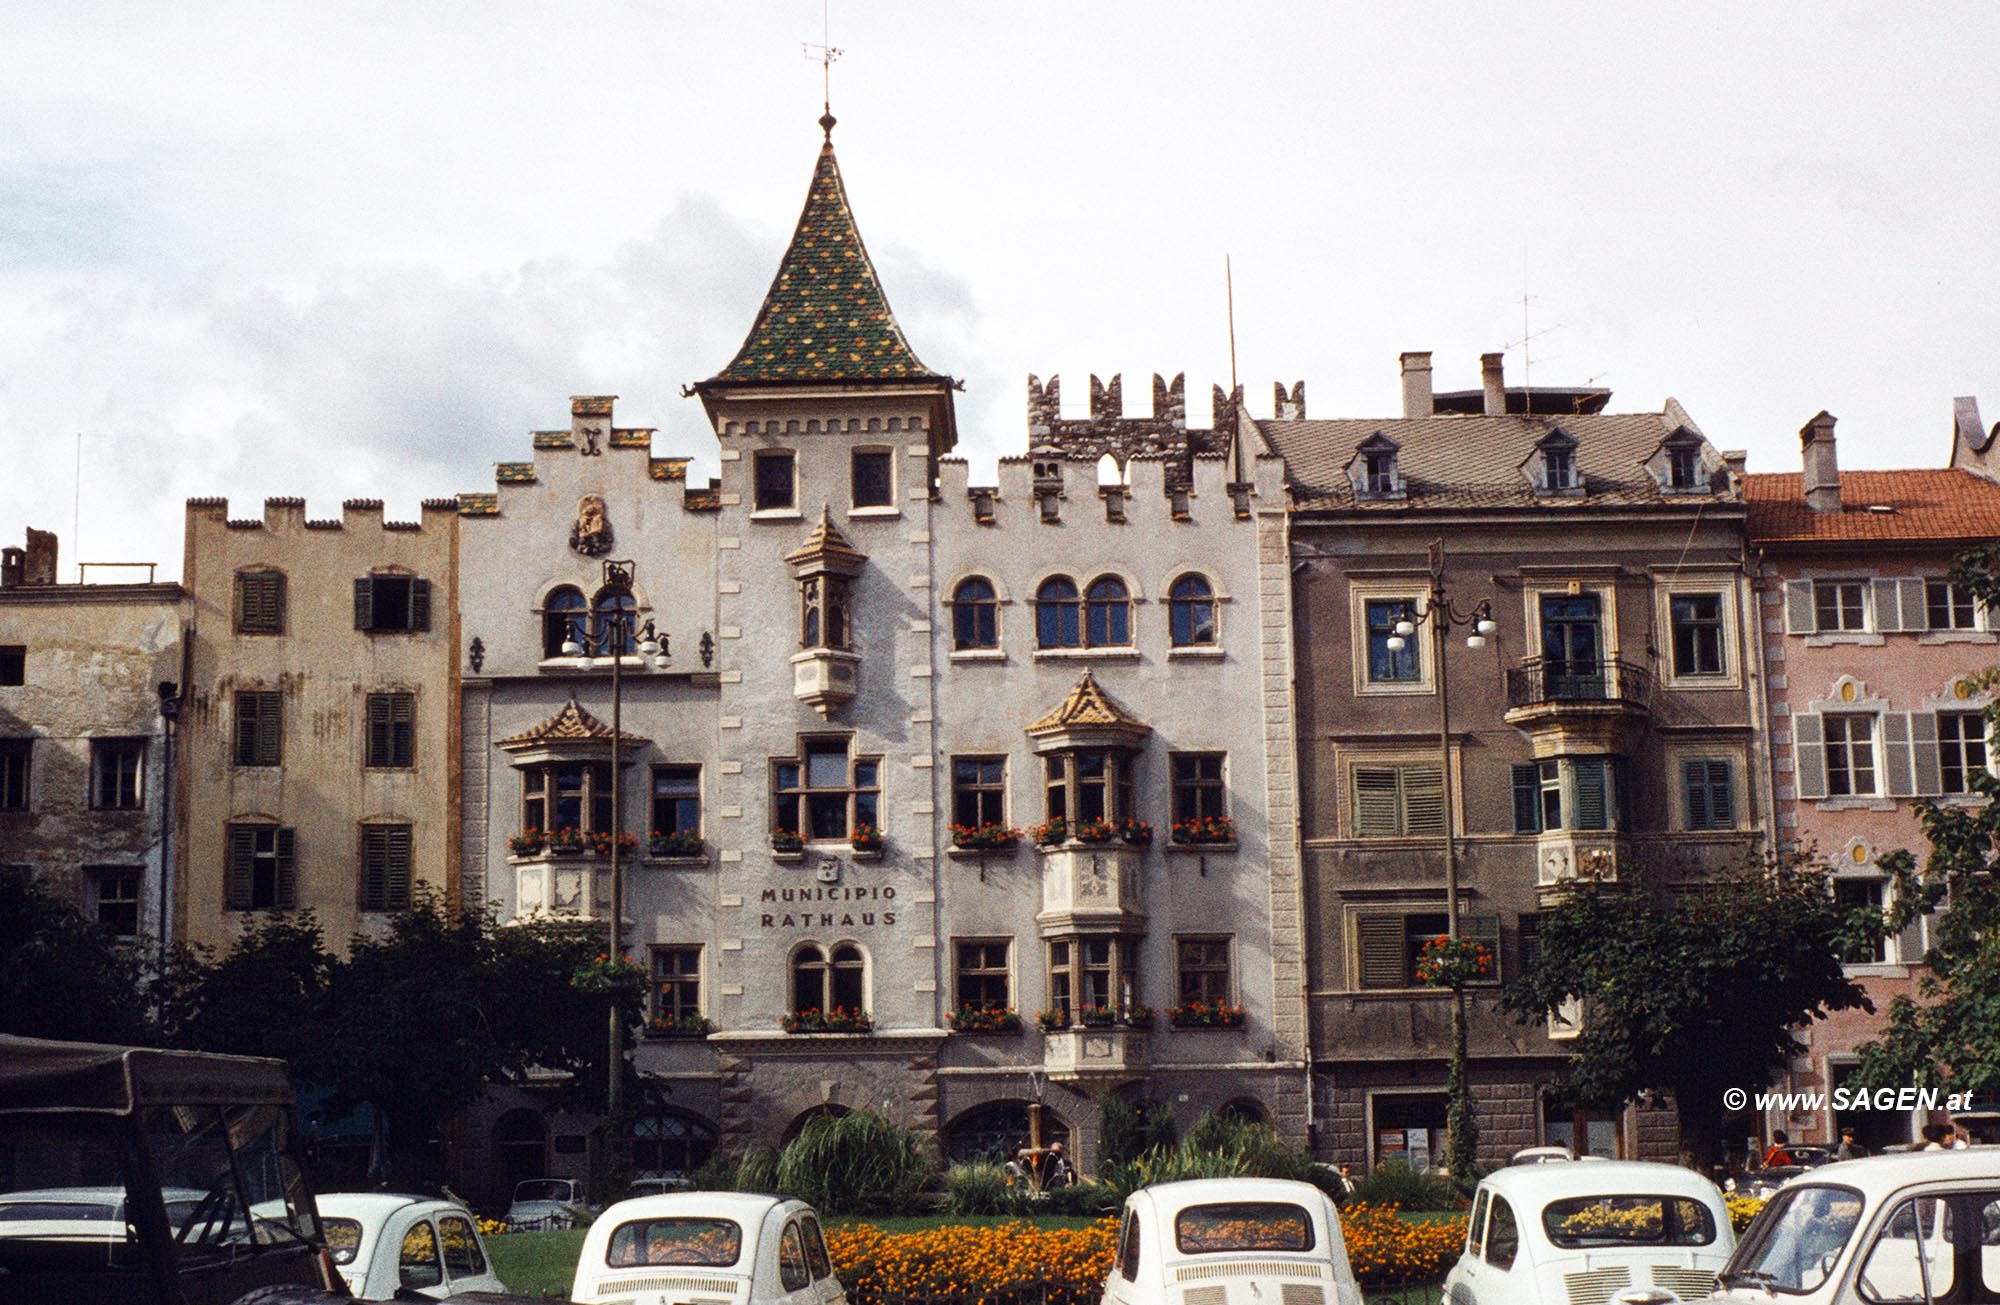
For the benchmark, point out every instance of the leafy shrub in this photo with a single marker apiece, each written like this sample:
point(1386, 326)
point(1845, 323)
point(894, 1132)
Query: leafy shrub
point(1399, 1185)
point(979, 1187)
point(758, 1170)
point(858, 1163)
point(1091, 1200)
point(1125, 1131)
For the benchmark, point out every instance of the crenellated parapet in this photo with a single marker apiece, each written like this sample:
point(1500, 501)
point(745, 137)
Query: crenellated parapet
point(289, 513)
point(1164, 434)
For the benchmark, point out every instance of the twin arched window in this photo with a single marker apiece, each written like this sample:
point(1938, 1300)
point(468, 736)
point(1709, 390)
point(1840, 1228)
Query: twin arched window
point(566, 615)
point(827, 981)
point(1101, 617)
point(563, 614)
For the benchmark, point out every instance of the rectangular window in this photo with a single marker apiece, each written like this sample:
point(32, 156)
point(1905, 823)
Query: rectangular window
point(1560, 469)
point(567, 795)
point(982, 972)
point(1379, 473)
point(114, 891)
point(259, 727)
point(1528, 797)
point(1399, 801)
point(262, 870)
point(1840, 605)
point(1567, 793)
point(392, 603)
point(117, 771)
point(391, 743)
point(1711, 801)
point(1851, 894)
point(13, 664)
point(1949, 606)
point(776, 490)
point(1203, 969)
point(1683, 464)
point(14, 758)
point(385, 867)
point(1697, 634)
point(1850, 755)
point(677, 799)
point(1092, 977)
point(1089, 785)
point(676, 984)
point(1199, 791)
point(826, 794)
point(978, 791)
point(1387, 666)
point(1388, 943)
point(1961, 749)
point(874, 478)
point(1061, 996)
point(260, 602)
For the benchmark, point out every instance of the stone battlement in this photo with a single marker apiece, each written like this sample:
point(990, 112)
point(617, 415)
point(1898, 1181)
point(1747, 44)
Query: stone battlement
point(289, 513)
point(1165, 434)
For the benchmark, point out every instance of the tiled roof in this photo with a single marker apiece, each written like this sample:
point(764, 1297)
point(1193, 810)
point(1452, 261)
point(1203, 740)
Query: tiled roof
point(1942, 504)
point(1475, 461)
point(825, 317)
point(1087, 704)
point(570, 725)
point(826, 544)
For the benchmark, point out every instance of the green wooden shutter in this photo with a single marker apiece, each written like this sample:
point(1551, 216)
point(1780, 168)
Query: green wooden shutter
point(1375, 802)
point(242, 853)
point(1531, 943)
point(1587, 792)
point(274, 599)
point(1527, 798)
point(1423, 799)
point(399, 868)
point(380, 744)
point(420, 604)
point(1381, 960)
point(270, 731)
point(1721, 794)
point(1809, 742)
point(288, 848)
point(246, 729)
point(364, 604)
point(1694, 783)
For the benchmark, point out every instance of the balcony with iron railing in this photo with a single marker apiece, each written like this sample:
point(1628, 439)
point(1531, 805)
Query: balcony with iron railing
point(1596, 697)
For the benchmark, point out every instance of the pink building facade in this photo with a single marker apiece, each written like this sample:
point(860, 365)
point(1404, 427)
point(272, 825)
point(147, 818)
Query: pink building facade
point(1870, 654)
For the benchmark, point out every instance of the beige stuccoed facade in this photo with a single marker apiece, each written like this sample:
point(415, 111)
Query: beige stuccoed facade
point(319, 762)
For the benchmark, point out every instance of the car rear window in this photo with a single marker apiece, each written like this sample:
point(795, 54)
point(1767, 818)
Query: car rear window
point(80, 1210)
point(1636, 1220)
point(1243, 1226)
point(343, 1238)
point(693, 1243)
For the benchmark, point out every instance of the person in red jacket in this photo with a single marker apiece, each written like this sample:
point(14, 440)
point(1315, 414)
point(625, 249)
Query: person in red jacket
point(1777, 1154)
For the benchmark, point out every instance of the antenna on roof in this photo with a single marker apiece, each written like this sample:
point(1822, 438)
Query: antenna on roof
point(826, 54)
point(1235, 444)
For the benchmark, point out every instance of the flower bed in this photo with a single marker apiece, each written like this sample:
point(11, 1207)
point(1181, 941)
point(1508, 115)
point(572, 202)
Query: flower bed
point(1387, 1249)
point(1742, 1209)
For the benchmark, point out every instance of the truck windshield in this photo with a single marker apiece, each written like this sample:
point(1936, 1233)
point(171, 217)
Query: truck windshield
point(1796, 1239)
point(251, 1194)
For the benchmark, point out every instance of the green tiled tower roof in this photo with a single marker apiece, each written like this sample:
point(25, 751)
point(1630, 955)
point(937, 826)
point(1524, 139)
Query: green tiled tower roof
point(825, 317)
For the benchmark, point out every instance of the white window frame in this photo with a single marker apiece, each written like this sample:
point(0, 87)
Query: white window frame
point(1415, 591)
point(1691, 583)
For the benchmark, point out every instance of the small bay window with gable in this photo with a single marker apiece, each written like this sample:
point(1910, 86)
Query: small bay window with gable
point(826, 567)
point(1089, 747)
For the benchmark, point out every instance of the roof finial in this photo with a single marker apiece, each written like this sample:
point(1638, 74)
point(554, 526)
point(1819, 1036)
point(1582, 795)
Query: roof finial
point(827, 54)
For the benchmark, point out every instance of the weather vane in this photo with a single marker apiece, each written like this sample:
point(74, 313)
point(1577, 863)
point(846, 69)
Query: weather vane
point(826, 54)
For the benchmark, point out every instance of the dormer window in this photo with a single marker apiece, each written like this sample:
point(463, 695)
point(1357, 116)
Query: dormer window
point(1379, 472)
point(1683, 465)
point(1552, 466)
point(1375, 472)
point(1559, 468)
point(1677, 465)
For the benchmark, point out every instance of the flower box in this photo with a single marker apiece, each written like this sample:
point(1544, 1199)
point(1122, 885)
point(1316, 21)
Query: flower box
point(679, 1026)
point(1051, 1021)
point(1135, 833)
point(787, 846)
point(840, 1019)
point(568, 842)
point(529, 842)
point(867, 841)
point(600, 843)
point(985, 838)
point(1205, 1015)
point(678, 843)
point(1050, 833)
point(1104, 1017)
point(973, 1019)
point(1205, 831)
point(607, 974)
point(1447, 962)
point(1094, 831)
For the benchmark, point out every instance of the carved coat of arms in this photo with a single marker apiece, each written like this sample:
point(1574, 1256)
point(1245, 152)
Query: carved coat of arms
point(591, 535)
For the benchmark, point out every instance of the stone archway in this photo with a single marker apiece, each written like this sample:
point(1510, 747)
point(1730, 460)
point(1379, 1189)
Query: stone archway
point(832, 1109)
point(995, 1130)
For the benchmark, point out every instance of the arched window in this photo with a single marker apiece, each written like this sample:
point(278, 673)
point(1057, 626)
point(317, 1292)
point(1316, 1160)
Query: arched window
point(1058, 614)
point(1191, 612)
point(975, 615)
point(605, 630)
point(1108, 614)
point(670, 1143)
point(826, 982)
point(563, 613)
point(998, 1129)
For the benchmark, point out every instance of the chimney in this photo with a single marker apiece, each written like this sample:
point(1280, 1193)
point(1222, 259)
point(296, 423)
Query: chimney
point(1417, 385)
point(10, 567)
point(39, 566)
point(1493, 383)
point(1736, 462)
point(1822, 469)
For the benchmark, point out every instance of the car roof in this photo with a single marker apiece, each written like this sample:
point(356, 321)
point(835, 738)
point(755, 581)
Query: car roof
point(1169, 1198)
point(1878, 1176)
point(348, 1204)
point(744, 1207)
point(1546, 1182)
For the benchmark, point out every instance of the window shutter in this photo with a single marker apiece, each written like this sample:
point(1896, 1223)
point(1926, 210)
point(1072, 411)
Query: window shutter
point(420, 604)
point(1888, 614)
point(1721, 794)
point(288, 847)
point(1924, 761)
point(1379, 944)
point(1915, 603)
point(1423, 799)
point(1531, 943)
point(1799, 617)
point(242, 850)
point(1897, 779)
point(1527, 799)
point(246, 729)
point(1587, 792)
point(274, 599)
point(381, 735)
point(1375, 802)
point(1809, 742)
point(374, 869)
point(1694, 782)
point(270, 737)
point(399, 868)
point(364, 604)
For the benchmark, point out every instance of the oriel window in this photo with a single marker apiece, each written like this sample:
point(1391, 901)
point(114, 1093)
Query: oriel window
point(823, 611)
point(566, 795)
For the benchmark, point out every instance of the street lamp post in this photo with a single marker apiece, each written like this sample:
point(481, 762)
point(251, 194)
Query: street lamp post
point(1441, 616)
point(614, 629)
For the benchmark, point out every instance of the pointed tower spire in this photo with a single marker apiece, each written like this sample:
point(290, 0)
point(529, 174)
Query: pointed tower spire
point(825, 317)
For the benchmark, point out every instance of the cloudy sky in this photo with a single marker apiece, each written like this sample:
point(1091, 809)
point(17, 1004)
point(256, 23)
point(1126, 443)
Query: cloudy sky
point(359, 250)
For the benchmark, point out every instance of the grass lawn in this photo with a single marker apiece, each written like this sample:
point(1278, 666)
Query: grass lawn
point(537, 1263)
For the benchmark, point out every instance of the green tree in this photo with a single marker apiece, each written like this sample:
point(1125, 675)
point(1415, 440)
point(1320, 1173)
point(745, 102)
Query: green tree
point(269, 995)
point(1694, 988)
point(61, 974)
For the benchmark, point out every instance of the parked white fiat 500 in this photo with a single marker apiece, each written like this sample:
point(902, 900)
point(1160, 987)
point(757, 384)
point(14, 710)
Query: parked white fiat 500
point(722, 1246)
point(1230, 1241)
point(385, 1244)
point(1591, 1234)
point(1922, 1226)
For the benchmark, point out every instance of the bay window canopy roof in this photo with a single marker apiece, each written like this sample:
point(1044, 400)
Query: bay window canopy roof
point(826, 549)
point(1088, 718)
point(571, 732)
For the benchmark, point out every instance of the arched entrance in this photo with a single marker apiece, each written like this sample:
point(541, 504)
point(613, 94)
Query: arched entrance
point(1244, 1111)
point(669, 1142)
point(520, 1147)
point(996, 1130)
